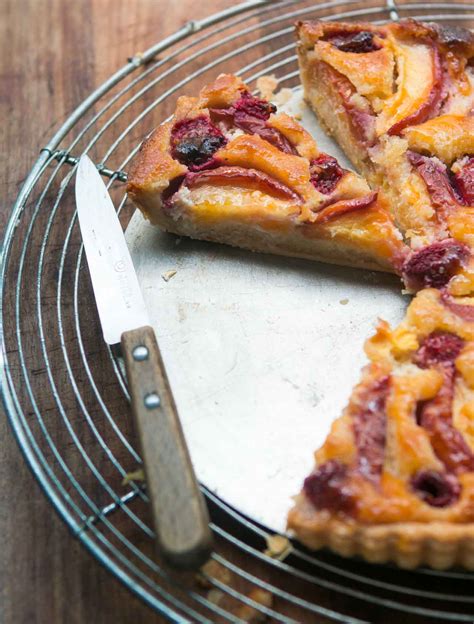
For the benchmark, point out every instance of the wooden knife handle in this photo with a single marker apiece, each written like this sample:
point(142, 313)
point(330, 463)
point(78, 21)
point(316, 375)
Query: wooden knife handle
point(180, 514)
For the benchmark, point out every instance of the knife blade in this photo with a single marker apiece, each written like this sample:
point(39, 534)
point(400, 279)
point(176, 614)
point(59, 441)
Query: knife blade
point(117, 292)
point(179, 512)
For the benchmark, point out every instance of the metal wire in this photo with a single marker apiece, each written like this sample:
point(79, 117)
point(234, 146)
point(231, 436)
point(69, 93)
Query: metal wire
point(49, 419)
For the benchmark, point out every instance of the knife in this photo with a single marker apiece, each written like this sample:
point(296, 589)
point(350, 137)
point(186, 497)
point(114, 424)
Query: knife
point(180, 514)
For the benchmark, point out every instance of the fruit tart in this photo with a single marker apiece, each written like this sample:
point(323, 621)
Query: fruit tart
point(394, 479)
point(230, 168)
point(399, 99)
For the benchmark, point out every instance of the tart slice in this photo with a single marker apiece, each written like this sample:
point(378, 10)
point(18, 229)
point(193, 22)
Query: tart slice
point(229, 168)
point(394, 480)
point(400, 100)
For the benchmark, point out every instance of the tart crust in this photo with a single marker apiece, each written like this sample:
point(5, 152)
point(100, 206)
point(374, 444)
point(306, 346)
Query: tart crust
point(439, 545)
point(265, 199)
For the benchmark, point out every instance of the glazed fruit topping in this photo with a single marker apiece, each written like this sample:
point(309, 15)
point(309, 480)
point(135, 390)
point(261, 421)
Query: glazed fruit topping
point(464, 180)
point(251, 115)
point(439, 186)
point(434, 265)
point(170, 191)
point(464, 311)
point(325, 173)
point(362, 121)
point(248, 104)
point(447, 442)
point(369, 429)
point(239, 176)
point(438, 347)
point(195, 141)
point(345, 206)
point(327, 487)
point(358, 42)
point(431, 105)
point(438, 489)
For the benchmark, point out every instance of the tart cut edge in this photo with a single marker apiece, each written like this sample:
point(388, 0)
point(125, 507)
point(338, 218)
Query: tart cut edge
point(230, 168)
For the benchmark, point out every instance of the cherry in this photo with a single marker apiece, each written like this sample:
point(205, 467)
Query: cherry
point(325, 173)
point(195, 141)
point(359, 43)
point(438, 347)
point(326, 487)
point(435, 264)
point(438, 489)
point(251, 114)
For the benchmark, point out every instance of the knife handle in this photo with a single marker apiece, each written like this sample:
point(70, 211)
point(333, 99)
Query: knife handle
point(180, 514)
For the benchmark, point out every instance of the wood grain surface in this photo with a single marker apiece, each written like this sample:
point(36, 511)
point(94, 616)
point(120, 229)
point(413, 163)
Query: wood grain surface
point(54, 53)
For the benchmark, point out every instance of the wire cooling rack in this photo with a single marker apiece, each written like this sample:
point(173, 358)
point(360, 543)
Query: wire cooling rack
point(63, 389)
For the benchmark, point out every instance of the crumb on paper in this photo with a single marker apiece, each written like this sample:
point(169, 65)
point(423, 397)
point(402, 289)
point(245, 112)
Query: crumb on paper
point(137, 57)
point(137, 475)
point(215, 596)
point(298, 116)
point(252, 615)
point(266, 86)
point(344, 301)
point(283, 96)
point(212, 569)
point(278, 547)
point(167, 275)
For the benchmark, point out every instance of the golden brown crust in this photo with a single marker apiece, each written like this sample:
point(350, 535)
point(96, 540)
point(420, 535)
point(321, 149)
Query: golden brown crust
point(311, 31)
point(452, 38)
point(152, 170)
point(440, 545)
point(455, 38)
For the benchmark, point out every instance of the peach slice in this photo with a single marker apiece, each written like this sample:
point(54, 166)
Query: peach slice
point(448, 137)
point(438, 184)
point(370, 73)
point(343, 207)
point(251, 151)
point(418, 93)
point(247, 178)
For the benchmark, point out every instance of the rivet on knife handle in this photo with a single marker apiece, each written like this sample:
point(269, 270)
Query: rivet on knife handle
point(179, 511)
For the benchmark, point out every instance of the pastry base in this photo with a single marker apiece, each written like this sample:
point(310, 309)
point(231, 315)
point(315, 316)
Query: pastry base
point(440, 545)
point(323, 248)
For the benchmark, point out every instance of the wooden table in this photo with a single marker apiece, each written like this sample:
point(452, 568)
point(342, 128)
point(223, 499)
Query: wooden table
point(54, 53)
